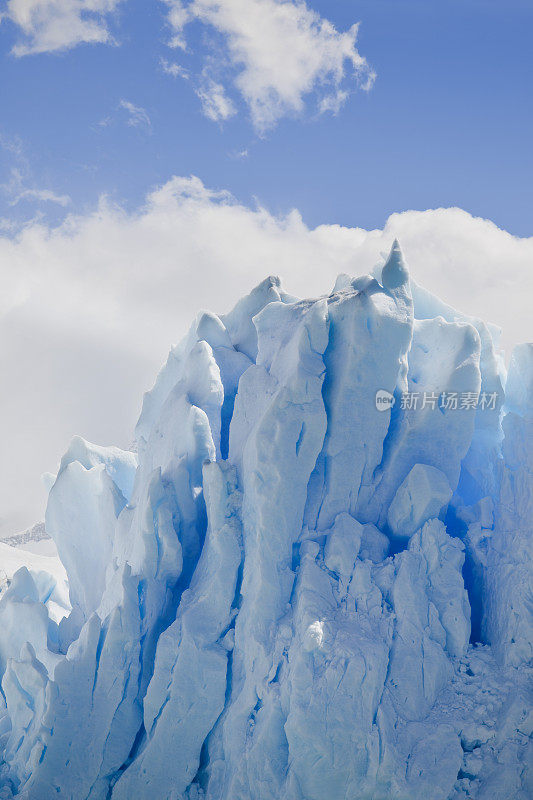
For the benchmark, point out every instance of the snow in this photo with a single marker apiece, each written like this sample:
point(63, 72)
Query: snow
point(290, 594)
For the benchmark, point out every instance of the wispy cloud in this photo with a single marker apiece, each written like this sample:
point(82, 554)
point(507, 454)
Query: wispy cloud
point(20, 185)
point(275, 54)
point(216, 104)
point(137, 115)
point(19, 192)
point(51, 25)
point(239, 155)
point(173, 69)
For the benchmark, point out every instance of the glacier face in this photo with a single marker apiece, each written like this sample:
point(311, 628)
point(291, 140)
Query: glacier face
point(292, 592)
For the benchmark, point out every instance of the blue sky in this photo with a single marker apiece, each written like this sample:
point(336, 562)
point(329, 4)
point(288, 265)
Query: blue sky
point(448, 121)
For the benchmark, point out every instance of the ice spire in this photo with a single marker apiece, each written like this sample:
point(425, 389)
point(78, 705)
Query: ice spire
point(395, 272)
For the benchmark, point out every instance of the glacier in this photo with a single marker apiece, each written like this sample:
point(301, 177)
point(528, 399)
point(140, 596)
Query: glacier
point(289, 591)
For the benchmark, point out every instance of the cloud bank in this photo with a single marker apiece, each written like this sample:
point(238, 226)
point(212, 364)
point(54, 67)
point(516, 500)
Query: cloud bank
point(89, 309)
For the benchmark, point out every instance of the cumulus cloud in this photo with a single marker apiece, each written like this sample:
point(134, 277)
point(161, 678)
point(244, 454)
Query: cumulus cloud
point(275, 53)
point(89, 309)
point(51, 25)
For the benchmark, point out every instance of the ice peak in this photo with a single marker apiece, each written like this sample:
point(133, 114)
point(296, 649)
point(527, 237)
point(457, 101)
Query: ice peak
point(271, 280)
point(395, 272)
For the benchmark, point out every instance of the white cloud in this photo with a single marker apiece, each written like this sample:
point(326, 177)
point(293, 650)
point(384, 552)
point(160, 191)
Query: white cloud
point(137, 116)
point(20, 185)
point(173, 69)
point(50, 25)
point(88, 310)
point(127, 113)
point(216, 104)
point(42, 196)
point(239, 155)
point(17, 190)
point(178, 16)
point(279, 52)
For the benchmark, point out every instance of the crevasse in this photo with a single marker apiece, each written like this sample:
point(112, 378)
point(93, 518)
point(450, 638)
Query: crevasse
point(293, 593)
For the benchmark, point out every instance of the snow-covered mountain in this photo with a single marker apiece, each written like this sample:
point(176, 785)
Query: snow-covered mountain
point(313, 581)
point(34, 539)
point(34, 550)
